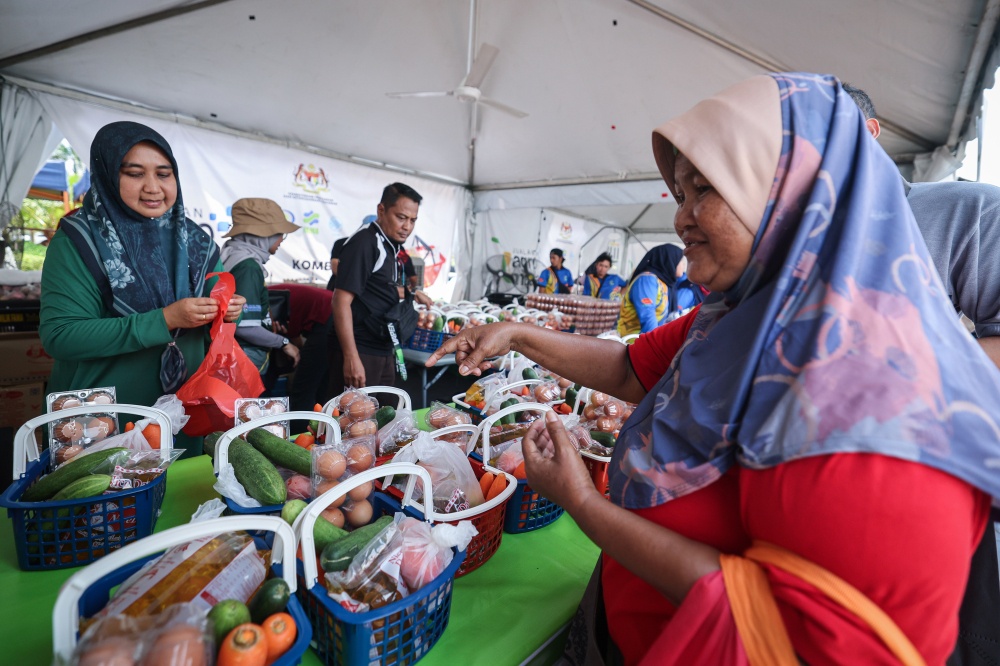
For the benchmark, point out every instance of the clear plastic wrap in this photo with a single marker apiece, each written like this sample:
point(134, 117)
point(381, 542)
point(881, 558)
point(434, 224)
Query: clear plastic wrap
point(427, 550)
point(179, 635)
point(456, 487)
point(373, 579)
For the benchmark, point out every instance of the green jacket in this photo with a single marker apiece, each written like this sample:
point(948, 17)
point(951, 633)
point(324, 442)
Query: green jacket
point(93, 347)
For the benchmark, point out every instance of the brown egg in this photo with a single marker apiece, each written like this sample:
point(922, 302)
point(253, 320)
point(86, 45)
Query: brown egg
point(180, 645)
point(68, 431)
point(546, 393)
point(68, 453)
point(330, 465)
point(359, 513)
point(334, 515)
point(362, 409)
point(598, 398)
point(250, 412)
point(114, 651)
point(65, 402)
point(100, 398)
point(349, 397)
point(345, 423)
point(605, 424)
point(274, 407)
point(613, 409)
point(362, 428)
point(438, 417)
point(565, 383)
point(100, 427)
point(589, 413)
point(361, 492)
point(459, 418)
point(359, 458)
point(324, 486)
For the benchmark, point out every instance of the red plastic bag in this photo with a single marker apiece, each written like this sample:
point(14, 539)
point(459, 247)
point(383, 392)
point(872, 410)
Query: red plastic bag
point(224, 376)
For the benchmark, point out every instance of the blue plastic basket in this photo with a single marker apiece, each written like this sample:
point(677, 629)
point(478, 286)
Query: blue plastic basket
point(399, 633)
point(56, 535)
point(526, 509)
point(221, 456)
point(95, 594)
point(426, 340)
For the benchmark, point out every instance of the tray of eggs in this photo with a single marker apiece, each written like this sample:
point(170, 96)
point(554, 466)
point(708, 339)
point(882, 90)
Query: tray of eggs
point(69, 437)
point(251, 409)
point(333, 464)
point(357, 414)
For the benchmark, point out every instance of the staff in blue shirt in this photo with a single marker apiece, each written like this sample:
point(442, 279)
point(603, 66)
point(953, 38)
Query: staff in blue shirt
point(602, 283)
point(555, 279)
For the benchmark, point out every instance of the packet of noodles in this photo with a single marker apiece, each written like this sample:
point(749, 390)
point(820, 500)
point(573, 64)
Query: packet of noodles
point(203, 571)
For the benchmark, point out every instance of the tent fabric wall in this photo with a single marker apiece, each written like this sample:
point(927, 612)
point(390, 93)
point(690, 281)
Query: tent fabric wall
point(328, 198)
point(27, 138)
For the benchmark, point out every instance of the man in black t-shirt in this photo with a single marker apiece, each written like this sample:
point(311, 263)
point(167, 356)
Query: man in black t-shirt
point(369, 277)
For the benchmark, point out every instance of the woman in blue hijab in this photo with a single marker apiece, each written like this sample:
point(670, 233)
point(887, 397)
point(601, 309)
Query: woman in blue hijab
point(124, 297)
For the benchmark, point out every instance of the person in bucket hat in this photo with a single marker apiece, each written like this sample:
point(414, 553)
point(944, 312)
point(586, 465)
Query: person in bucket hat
point(259, 226)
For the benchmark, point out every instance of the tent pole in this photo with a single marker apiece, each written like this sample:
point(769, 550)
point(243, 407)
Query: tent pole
point(767, 65)
point(973, 72)
point(104, 32)
point(639, 216)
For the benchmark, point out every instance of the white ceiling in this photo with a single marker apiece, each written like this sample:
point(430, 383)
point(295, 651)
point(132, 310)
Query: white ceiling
point(595, 75)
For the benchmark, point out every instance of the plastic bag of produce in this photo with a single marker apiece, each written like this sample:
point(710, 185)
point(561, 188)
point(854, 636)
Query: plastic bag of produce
point(201, 571)
point(373, 579)
point(456, 487)
point(397, 433)
point(179, 635)
point(229, 486)
point(226, 374)
point(427, 550)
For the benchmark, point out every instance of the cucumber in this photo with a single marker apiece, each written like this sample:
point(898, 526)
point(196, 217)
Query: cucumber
point(529, 373)
point(337, 556)
point(271, 598)
point(77, 468)
point(281, 452)
point(226, 616)
point(208, 447)
point(384, 416)
point(571, 395)
point(259, 477)
point(88, 486)
point(438, 324)
point(509, 418)
point(324, 532)
point(603, 438)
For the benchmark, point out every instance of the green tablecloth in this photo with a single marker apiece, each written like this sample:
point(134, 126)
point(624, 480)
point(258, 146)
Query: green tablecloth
point(501, 613)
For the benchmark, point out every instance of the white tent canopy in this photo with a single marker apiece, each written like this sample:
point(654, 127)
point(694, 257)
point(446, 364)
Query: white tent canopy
point(594, 77)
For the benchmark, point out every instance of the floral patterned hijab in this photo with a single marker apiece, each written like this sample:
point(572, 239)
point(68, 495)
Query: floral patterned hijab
point(837, 338)
point(121, 248)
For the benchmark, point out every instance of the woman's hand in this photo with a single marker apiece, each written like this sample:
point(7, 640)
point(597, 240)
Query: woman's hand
point(474, 345)
point(190, 312)
point(554, 467)
point(234, 309)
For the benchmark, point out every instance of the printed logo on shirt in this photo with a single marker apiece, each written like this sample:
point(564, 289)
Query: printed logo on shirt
point(646, 301)
point(251, 307)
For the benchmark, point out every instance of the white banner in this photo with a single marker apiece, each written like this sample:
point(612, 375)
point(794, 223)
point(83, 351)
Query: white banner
point(327, 198)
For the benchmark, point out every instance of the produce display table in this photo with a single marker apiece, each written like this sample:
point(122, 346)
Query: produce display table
point(502, 613)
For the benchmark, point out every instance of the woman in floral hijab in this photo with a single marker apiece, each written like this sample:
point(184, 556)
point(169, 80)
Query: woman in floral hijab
point(124, 297)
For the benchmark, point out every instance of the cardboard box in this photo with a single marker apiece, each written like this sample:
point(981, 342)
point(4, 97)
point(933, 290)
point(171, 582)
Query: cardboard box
point(19, 404)
point(22, 359)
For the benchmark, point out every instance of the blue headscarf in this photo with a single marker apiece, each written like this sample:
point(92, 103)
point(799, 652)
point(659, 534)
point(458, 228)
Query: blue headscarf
point(837, 338)
point(121, 248)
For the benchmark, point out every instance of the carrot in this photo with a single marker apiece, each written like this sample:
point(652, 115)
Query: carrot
point(305, 440)
point(562, 408)
point(129, 426)
point(497, 487)
point(246, 645)
point(519, 471)
point(280, 632)
point(317, 407)
point(485, 481)
point(152, 434)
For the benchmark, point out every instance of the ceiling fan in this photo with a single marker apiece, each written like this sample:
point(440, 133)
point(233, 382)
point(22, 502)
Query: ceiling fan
point(469, 89)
